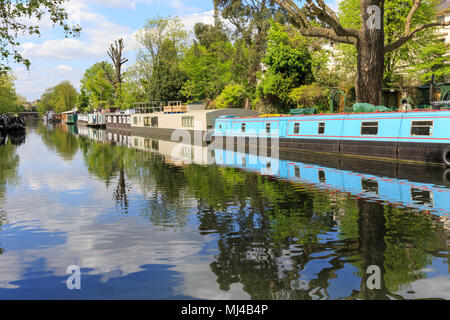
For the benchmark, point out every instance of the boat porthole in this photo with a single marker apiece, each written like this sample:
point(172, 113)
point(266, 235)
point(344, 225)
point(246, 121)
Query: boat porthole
point(446, 156)
point(446, 177)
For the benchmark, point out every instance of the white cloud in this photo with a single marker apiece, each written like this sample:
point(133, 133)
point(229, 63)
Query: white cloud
point(189, 20)
point(98, 32)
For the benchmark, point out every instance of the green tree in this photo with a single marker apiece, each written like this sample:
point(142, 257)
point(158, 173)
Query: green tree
point(8, 97)
point(207, 64)
point(423, 54)
point(289, 63)
point(60, 98)
point(251, 22)
point(97, 86)
point(65, 97)
point(162, 42)
point(232, 96)
point(46, 102)
point(83, 101)
point(369, 38)
point(16, 18)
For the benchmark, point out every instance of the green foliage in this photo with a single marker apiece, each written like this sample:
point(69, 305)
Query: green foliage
point(83, 101)
point(232, 96)
point(19, 18)
point(97, 86)
point(162, 42)
point(289, 64)
point(431, 60)
point(312, 95)
point(288, 54)
point(60, 98)
point(207, 64)
point(417, 56)
point(8, 97)
point(275, 89)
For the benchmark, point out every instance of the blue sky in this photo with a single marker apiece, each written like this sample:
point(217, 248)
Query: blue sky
point(54, 58)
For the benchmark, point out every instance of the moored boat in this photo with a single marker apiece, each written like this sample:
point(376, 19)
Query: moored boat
point(421, 136)
point(11, 124)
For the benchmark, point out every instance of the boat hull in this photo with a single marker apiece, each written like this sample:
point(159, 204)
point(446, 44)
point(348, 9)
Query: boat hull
point(403, 151)
point(420, 136)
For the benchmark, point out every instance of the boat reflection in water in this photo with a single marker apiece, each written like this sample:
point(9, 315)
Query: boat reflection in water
point(429, 193)
point(421, 188)
point(16, 139)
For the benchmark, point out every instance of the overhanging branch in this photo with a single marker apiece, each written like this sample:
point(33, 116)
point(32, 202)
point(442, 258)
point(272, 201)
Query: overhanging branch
point(321, 11)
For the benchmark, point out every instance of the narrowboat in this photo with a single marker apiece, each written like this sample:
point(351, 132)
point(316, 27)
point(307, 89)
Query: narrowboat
point(69, 117)
point(193, 118)
point(420, 136)
point(428, 195)
point(10, 124)
point(82, 119)
point(120, 120)
point(52, 117)
point(96, 119)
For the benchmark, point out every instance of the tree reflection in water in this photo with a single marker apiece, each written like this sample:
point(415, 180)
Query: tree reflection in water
point(279, 239)
point(9, 162)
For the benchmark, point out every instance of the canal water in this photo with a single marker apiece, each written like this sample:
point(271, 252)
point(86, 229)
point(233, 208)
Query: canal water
point(143, 224)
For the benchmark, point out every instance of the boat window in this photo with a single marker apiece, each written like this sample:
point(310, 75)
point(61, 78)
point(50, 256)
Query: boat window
point(297, 128)
point(267, 127)
point(147, 121)
point(297, 171)
point(135, 120)
point(422, 128)
point(154, 121)
point(322, 177)
point(187, 122)
point(243, 127)
point(155, 145)
point(321, 127)
point(422, 197)
point(369, 186)
point(369, 128)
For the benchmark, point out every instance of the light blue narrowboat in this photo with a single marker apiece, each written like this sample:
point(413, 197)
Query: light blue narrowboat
point(421, 195)
point(422, 136)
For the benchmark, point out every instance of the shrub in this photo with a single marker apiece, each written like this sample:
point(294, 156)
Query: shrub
point(309, 96)
point(232, 96)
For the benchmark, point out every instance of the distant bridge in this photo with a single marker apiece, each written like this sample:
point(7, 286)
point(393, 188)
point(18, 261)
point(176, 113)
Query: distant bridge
point(26, 115)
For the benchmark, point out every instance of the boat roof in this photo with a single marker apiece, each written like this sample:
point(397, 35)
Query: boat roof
point(326, 115)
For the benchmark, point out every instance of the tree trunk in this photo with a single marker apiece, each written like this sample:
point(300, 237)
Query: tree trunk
point(372, 245)
point(370, 48)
